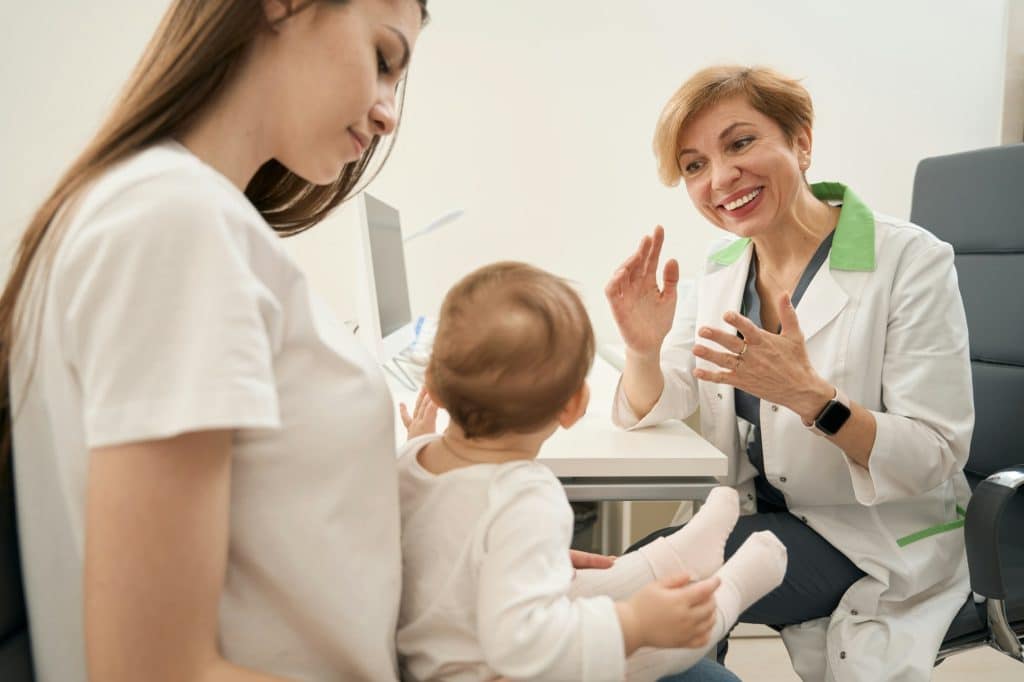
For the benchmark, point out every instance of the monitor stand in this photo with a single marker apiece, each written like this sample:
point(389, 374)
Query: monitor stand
point(398, 357)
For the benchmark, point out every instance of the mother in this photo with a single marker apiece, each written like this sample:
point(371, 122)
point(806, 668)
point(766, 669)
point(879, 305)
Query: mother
point(826, 347)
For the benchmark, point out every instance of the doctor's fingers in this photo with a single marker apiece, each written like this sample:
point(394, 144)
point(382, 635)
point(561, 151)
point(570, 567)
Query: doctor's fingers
point(727, 340)
point(654, 254)
point(625, 273)
point(717, 377)
point(752, 334)
point(670, 277)
point(616, 286)
point(788, 318)
point(635, 264)
point(725, 360)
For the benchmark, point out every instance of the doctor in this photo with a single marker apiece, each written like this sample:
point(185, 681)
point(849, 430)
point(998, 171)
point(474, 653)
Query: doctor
point(826, 347)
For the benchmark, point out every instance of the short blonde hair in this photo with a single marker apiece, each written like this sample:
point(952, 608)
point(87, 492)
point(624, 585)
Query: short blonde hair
point(776, 96)
point(513, 345)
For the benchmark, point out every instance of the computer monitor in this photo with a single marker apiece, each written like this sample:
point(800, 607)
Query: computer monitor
point(385, 315)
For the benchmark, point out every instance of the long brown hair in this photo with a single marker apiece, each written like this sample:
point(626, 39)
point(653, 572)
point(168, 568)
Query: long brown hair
point(194, 53)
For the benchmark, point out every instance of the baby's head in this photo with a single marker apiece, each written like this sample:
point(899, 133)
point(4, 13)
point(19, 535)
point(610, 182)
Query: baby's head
point(512, 351)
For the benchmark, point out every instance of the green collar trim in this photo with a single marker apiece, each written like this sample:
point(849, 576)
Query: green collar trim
point(731, 253)
point(853, 246)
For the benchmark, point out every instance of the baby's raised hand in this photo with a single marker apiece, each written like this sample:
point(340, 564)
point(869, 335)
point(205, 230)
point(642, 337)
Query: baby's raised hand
point(423, 419)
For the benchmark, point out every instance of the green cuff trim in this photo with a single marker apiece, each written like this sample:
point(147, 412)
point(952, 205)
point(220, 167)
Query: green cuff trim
point(853, 246)
point(934, 530)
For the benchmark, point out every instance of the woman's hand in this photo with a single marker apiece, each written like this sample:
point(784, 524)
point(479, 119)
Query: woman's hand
point(424, 416)
point(773, 367)
point(590, 560)
point(642, 311)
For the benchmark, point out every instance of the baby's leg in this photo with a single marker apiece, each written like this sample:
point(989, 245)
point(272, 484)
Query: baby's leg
point(698, 547)
point(695, 549)
point(628, 574)
point(757, 567)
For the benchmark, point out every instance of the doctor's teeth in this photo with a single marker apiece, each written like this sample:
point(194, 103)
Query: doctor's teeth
point(743, 200)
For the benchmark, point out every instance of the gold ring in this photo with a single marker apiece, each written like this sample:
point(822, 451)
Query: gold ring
point(742, 350)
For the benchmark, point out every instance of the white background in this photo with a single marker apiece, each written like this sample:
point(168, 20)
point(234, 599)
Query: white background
point(536, 116)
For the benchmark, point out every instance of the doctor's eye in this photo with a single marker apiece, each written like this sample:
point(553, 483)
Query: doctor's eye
point(742, 143)
point(692, 167)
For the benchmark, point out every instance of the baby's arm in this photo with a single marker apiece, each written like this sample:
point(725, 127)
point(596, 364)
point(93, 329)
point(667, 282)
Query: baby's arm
point(528, 627)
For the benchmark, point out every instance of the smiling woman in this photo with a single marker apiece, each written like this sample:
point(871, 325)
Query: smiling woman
point(196, 441)
point(826, 348)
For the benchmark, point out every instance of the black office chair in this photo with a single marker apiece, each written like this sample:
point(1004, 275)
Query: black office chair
point(975, 201)
point(15, 650)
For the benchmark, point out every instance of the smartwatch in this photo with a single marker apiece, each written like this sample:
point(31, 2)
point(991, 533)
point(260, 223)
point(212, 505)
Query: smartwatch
point(832, 416)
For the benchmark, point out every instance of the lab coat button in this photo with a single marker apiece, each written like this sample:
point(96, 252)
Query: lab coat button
point(853, 612)
point(775, 408)
point(842, 654)
point(719, 396)
point(782, 479)
point(804, 519)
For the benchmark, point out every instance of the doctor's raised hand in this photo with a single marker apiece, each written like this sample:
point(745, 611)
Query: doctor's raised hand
point(643, 312)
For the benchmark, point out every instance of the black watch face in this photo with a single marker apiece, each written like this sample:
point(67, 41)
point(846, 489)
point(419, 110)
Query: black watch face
point(833, 417)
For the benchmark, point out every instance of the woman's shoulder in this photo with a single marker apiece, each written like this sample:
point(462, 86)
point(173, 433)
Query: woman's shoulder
point(163, 202)
point(162, 186)
point(897, 240)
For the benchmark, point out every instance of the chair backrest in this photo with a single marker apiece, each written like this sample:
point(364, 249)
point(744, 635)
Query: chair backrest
point(975, 201)
point(15, 650)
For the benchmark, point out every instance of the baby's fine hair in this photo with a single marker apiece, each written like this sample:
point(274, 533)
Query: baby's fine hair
point(513, 345)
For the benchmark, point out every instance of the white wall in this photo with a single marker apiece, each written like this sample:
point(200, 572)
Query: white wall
point(1013, 96)
point(61, 66)
point(536, 116)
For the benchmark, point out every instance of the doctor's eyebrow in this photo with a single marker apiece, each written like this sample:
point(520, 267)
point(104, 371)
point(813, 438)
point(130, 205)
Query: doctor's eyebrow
point(722, 135)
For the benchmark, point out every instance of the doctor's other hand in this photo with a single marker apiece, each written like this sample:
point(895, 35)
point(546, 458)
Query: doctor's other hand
point(773, 367)
point(643, 311)
point(423, 419)
point(669, 613)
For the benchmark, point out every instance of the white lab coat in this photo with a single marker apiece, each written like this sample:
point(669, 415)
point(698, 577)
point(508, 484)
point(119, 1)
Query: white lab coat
point(895, 340)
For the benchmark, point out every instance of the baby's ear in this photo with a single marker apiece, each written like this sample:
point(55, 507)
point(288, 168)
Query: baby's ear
point(276, 11)
point(575, 408)
point(428, 384)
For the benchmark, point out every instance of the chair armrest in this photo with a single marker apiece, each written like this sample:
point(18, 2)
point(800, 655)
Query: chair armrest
point(981, 535)
point(981, 530)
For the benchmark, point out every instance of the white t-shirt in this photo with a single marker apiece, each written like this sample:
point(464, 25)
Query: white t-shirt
point(486, 570)
point(171, 308)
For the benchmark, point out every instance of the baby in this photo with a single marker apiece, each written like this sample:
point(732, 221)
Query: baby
point(488, 586)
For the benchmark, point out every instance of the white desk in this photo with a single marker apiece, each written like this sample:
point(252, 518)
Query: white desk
point(596, 460)
point(599, 462)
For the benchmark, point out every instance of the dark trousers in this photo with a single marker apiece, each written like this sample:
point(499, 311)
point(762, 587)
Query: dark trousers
point(817, 574)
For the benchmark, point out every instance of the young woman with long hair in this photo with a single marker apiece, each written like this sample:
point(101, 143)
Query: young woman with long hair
point(204, 459)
